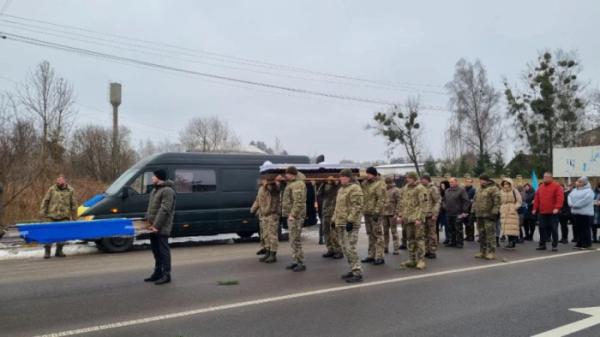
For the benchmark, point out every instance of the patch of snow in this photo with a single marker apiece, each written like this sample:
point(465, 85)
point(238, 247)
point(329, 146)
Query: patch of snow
point(37, 252)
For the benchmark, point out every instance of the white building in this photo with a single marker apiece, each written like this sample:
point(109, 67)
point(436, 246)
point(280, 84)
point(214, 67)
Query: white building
point(397, 169)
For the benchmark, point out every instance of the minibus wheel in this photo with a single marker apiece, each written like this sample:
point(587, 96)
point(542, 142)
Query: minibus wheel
point(115, 244)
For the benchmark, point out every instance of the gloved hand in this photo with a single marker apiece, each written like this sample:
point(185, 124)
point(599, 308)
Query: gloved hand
point(349, 227)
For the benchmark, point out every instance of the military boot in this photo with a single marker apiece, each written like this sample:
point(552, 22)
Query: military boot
point(261, 251)
point(338, 256)
point(490, 256)
point(299, 267)
point(368, 260)
point(408, 264)
point(265, 257)
point(272, 258)
point(378, 262)
point(480, 255)
point(347, 275)
point(356, 278)
point(154, 277)
point(166, 278)
point(291, 266)
point(47, 251)
point(328, 254)
point(420, 265)
point(59, 251)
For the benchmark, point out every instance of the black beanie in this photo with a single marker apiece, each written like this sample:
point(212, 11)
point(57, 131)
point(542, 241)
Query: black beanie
point(160, 174)
point(372, 171)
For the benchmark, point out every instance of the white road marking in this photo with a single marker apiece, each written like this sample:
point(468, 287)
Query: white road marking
point(568, 329)
point(199, 311)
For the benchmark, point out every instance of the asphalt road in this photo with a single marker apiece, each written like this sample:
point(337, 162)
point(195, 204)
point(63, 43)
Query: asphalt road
point(523, 293)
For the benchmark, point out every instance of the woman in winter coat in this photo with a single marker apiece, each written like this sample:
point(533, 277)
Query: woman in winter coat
point(596, 214)
point(510, 202)
point(581, 200)
point(528, 195)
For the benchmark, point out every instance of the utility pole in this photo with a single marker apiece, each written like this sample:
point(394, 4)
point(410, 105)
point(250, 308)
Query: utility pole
point(115, 101)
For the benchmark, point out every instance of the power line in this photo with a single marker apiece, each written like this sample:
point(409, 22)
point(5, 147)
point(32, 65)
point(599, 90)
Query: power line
point(137, 48)
point(92, 53)
point(229, 58)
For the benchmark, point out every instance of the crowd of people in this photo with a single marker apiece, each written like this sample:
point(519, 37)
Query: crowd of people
point(503, 213)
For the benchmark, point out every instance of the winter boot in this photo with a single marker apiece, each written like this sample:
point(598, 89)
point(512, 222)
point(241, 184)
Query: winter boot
point(378, 262)
point(368, 260)
point(480, 255)
point(338, 256)
point(420, 265)
point(291, 266)
point(497, 242)
point(59, 251)
point(272, 257)
point(490, 256)
point(261, 251)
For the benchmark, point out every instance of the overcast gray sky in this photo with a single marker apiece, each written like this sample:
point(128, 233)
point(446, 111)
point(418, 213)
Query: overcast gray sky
point(415, 44)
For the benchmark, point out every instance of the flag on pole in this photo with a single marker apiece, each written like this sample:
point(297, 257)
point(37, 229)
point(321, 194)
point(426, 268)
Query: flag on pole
point(534, 180)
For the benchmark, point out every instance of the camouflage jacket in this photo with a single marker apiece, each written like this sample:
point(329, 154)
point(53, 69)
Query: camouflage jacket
point(414, 203)
point(268, 201)
point(328, 193)
point(434, 200)
point(487, 202)
point(374, 196)
point(294, 198)
point(59, 203)
point(161, 207)
point(392, 201)
point(348, 205)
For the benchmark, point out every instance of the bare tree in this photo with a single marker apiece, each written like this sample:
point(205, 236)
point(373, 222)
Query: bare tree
point(50, 99)
point(400, 127)
point(476, 122)
point(91, 149)
point(208, 135)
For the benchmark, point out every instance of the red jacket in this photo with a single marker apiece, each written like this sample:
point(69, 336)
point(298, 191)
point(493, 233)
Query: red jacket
point(548, 197)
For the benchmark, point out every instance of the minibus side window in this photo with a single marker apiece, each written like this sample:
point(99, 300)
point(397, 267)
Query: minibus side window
point(195, 180)
point(143, 183)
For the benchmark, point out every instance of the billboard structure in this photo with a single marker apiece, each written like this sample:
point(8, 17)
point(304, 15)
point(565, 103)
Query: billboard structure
point(576, 161)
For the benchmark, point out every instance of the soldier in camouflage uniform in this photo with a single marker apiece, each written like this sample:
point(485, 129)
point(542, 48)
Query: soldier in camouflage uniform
point(58, 205)
point(431, 213)
point(262, 191)
point(390, 215)
point(347, 214)
point(267, 206)
point(374, 201)
point(328, 193)
point(413, 206)
point(294, 209)
point(486, 207)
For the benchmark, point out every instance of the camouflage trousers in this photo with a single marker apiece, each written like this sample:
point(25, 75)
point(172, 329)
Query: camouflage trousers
point(416, 241)
point(295, 238)
point(270, 232)
point(332, 241)
point(349, 241)
point(487, 235)
point(375, 233)
point(261, 231)
point(389, 225)
point(431, 241)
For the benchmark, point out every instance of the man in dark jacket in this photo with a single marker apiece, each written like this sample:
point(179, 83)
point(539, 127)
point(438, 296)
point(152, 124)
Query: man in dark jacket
point(456, 203)
point(548, 201)
point(161, 210)
point(565, 217)
point(469, 220)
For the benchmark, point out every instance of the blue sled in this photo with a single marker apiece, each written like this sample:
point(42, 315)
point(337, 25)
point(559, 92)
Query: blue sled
point(49, 232)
